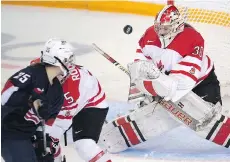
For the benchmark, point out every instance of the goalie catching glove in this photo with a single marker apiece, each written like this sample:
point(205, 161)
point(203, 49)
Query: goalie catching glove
point(149, 79)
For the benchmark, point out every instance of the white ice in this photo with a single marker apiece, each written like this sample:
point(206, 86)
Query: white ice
point(25, 29)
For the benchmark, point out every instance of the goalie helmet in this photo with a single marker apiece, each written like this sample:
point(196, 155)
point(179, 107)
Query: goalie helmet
point(168, 23)
point(58, 52)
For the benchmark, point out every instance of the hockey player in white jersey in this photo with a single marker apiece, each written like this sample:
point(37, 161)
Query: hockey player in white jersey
point(171, 64)
point(84, 110)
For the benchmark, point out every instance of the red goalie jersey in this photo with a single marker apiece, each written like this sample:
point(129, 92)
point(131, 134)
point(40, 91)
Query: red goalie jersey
point(177, 49)
point(182, 56)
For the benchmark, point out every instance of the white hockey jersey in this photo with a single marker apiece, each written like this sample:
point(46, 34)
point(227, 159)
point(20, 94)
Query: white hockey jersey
point(183, 57)
point(81, 90)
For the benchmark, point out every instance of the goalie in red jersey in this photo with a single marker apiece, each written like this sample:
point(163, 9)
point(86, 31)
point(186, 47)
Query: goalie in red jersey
point(171, 64)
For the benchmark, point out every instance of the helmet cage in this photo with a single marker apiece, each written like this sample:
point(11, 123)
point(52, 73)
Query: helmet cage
point(168, 22)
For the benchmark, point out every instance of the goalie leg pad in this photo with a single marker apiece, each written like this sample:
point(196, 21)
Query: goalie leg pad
point(210, 123)
point(135, 128)
point(218, 131)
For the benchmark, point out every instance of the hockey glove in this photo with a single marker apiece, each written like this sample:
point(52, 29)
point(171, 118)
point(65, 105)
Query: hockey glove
point(53, 148)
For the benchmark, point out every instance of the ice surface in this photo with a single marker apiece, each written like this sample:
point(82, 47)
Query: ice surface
point(25, 29)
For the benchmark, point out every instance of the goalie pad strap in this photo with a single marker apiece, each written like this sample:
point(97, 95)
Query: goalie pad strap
point(129, 131)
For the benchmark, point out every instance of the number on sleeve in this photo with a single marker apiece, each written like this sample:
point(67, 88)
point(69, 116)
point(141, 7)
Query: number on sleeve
point(198, 50)
point(22, 77)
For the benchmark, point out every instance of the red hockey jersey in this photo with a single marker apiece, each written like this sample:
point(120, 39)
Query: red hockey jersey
point(183, 57)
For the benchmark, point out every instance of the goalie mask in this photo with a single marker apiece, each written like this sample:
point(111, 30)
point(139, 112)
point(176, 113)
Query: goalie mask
point(168, 23)
point(58, 52)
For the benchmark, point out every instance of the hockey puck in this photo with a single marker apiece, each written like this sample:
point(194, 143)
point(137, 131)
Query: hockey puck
point(128, 29)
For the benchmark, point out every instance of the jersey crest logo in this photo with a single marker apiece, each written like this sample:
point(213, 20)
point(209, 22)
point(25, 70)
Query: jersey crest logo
point(67, 113)
point(192, 71)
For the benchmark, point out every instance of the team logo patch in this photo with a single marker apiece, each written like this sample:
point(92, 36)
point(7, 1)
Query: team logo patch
point(67, 113)
point(192, 71)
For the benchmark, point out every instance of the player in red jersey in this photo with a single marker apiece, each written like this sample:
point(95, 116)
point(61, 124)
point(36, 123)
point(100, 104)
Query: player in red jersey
point(171, 63)
point(84, 110)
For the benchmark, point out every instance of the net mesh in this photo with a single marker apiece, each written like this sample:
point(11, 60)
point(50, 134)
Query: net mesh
point(206, 16)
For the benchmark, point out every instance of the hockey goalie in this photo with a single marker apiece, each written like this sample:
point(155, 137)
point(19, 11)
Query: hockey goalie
point(179, 84)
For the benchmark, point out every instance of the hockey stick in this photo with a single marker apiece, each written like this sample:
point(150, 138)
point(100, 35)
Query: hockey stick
point(42, 126)
point(44, 132)
point(114, 62)
point(171, 107)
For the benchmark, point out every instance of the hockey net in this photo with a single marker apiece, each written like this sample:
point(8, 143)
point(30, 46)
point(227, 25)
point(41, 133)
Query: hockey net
point(212, 20)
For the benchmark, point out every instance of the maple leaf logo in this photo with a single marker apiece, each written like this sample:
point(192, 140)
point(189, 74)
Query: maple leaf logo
point(160, 65)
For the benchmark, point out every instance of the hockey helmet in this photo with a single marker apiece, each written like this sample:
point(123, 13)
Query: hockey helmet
point(58, 52)
point(168, 22)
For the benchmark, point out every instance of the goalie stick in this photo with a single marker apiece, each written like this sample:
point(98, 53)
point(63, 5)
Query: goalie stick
point(171, 107)
point(122, 68)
